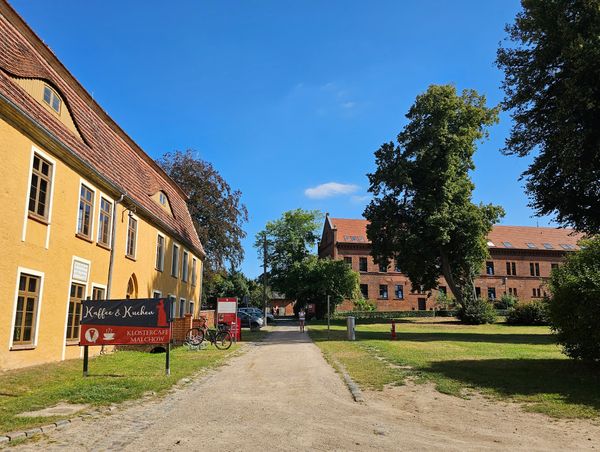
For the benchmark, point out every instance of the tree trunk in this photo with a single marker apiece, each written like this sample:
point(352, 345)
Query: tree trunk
point(447, 272)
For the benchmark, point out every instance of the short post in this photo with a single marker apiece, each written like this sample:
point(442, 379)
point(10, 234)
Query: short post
point(168, 359)
point(393, 330)
point(350, 323)
point(328, 319)
point(86, 357)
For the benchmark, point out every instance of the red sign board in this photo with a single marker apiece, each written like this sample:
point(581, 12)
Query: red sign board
point(125, 322)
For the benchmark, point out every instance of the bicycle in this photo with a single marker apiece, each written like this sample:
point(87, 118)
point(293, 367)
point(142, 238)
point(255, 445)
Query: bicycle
point(220, 338)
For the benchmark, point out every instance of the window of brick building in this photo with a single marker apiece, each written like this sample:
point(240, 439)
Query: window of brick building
point(39, 190)
point(362, 264)
point(383, 268)
point(478, 292)
point(534, 268)
point(397, 267)
point(26, 312)
point(491, 293)
point(364, 290)
point(537, 293)
point(348, 261)
point(489, 268)
point(77, 295)
point(553, 265)
point(383, 291)
point(512, 291)
point(511, 268)
point(86, 209)
point(399, 291)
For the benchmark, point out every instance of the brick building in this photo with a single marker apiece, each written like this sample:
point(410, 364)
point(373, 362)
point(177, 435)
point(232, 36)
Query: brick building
point(521, 259)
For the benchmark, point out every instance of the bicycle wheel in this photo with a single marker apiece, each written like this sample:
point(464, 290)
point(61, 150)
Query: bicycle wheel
point(194, 337)
point(223, 340)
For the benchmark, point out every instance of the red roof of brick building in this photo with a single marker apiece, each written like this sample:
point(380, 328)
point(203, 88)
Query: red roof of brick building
point(102, 145)
point(508, 237)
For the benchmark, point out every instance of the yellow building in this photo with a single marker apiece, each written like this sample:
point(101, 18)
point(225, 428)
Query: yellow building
point(86, 213)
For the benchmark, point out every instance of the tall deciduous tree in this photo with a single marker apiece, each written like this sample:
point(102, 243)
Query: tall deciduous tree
point(552, 86)
point(422, 213)
point(216, 209)
point(289, 239)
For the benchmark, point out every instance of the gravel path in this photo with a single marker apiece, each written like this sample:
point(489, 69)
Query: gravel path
point(282, 395)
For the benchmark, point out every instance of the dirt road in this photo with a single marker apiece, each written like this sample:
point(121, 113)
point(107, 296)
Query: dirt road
point(282, 395)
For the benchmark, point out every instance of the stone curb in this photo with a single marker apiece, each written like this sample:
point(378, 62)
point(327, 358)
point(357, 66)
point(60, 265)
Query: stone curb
point(352, 386)
point(8, 437)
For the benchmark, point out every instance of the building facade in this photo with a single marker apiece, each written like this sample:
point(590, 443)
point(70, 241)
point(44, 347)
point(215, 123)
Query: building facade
point(87, 214)
point(521, 259)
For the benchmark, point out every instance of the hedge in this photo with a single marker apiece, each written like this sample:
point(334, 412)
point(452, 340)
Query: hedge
point(389, 315)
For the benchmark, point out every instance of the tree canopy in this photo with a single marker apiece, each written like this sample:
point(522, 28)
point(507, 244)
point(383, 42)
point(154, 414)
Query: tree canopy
point(422, 213)
point(289, 240)
point(552, 85)
point(311, 280)
point(216, 209)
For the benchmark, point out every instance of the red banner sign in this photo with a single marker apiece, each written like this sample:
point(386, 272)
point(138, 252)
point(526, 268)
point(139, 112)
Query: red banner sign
point(125, 322)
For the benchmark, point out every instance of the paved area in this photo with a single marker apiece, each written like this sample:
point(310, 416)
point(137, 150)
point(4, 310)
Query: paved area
point(282, 395)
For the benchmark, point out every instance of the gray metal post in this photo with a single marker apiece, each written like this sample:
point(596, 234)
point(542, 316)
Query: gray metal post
point(350, 325)
point(328, 319)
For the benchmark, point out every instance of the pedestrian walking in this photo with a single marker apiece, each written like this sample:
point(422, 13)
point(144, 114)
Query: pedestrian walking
point(301, 319)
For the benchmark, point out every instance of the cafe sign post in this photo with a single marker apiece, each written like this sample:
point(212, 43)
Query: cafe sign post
point(125, 322)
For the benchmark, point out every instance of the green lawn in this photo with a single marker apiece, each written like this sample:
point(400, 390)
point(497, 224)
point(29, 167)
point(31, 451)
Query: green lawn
point(113, 378)
point(515, 363)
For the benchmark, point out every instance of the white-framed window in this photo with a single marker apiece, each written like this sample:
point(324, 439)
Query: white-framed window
point(98, 291)
point(160, 252)
point(105, 213)
point(52, 99)
point(131, 246)
point(85, 216)
point(27, 305)
point(185, 266)
point(182, 303)
point(173, 300)
point(194, 271)
point(175, 261)
point(156, 294)
point(191, 307)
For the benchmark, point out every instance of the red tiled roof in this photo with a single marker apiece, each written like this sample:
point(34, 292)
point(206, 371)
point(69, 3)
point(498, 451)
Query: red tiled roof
point(516, 237)
point(105, 147)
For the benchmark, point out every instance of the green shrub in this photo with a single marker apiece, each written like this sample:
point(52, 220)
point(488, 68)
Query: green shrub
point(477, 312)
point(533, 313)
point(362, 305)
point(575, 305)
point(506, 301)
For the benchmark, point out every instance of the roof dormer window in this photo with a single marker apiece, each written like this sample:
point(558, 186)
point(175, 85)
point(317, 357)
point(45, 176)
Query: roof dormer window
point(52, 99)
point(162, 198)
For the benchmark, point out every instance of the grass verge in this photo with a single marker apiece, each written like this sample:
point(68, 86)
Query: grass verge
point(114, 378)
point(521, 364)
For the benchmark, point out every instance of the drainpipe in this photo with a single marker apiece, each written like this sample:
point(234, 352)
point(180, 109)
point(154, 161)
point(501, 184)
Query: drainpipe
point(112, 246)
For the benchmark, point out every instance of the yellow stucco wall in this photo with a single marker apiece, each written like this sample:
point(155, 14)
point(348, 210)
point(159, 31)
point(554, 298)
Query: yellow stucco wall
point(50, 249)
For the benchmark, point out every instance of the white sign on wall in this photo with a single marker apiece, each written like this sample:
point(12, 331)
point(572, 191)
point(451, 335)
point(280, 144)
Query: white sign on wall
point(227, 305)
point(80, 271)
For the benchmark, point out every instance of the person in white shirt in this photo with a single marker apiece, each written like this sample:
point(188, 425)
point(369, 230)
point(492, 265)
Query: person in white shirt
point(301, 318)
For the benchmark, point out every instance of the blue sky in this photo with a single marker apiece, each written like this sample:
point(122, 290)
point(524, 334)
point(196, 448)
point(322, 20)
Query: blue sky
point(284, 96)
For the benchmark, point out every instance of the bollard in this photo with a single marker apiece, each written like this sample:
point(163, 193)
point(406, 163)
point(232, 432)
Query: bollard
point(393, 330)
point(350, 322)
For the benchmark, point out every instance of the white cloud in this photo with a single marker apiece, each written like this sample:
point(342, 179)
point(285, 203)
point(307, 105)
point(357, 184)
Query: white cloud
point(330, 189)
point(348, 105)
point(360, 199)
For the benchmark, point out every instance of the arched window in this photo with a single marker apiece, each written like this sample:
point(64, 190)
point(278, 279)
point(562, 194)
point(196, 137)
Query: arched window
point(132, 287)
